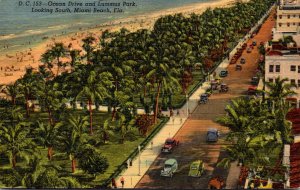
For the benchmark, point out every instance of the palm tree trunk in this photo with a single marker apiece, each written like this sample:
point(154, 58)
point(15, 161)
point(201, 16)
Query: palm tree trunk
point(27, 107)
point(73, 165)
point(91, 116)
point(50, 117)
point(113, 113)
point(50, 152)
point(13, 100)
point(14, 160)
point(57, 71)
point(156, 102)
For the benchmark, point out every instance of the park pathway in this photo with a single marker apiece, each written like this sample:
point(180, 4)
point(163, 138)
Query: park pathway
point(192, 134)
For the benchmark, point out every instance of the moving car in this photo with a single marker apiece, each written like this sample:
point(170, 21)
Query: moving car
point(212, 135)
point(196, 168)
point(169, 145)
point(170, 168)
point(238, 67)
point(249, 50)
point(252, 90)
point(255, 81)
point(223, 73)
point(243, 60)
point(224, 88)
point(203, 99)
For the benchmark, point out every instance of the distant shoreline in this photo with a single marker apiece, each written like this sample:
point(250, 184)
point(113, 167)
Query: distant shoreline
point(29, 55)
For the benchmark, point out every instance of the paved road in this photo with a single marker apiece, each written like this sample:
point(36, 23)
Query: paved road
point(192, 135)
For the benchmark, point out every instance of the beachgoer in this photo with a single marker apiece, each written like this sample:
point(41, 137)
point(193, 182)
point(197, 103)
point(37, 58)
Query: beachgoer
point(113, 183)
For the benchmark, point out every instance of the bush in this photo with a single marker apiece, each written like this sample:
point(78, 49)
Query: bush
point(92, 162)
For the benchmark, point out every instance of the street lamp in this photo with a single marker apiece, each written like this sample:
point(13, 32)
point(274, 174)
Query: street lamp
point(187, 104)
point(139, 148)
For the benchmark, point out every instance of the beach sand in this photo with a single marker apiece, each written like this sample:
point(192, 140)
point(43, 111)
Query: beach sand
point(13, 64)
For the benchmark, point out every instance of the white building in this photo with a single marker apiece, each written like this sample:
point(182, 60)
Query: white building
point(288, 19)
point(284, 64)
point(284, 61)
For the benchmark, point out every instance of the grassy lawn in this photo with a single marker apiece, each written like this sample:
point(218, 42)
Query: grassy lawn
point(115, 153)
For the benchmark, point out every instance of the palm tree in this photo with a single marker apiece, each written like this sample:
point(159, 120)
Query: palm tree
point(78, 123)
point(11, 91)
point(27, 87)
point(95, 88)
point(56, 52)
point(46, 176)
point(15, 142)
point(88, 48)
point(50, 98)
point(46, 135)
point(71, 143)
point(279, 89)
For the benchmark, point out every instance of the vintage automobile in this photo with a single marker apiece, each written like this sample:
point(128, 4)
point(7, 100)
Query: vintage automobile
point(203, 98)
point(170, 168)
point(196, 168)
point(223, 88)
point(214, 85)
point(169, 145)
point(252, 90)
point(243, 60)
point(212, 135)
point(223, 73)
point(249, 50)
point(238, 67)
point(216, 183)
point(255, 81)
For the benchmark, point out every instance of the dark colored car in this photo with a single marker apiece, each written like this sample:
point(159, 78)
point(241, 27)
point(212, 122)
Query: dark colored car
point(255, 81)
point(238, 67)
point(169, 145)
point(243, 60)
point(212, 135)
point(223, 73)
point(203, 99)
point(254, 43)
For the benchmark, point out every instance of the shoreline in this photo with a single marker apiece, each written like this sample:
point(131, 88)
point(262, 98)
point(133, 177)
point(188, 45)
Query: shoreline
point(14, 62)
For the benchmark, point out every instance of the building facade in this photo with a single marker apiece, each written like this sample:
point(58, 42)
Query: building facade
point(288, 18)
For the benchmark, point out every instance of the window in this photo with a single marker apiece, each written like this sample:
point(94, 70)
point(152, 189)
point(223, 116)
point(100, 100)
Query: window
point(277, 68)
point(289, 16)
point(280, 24)
point(280, 16)
point(298, 68)
point(298, 83)
point(288, 24)
point(294, 16)
point(294, 24)
point(293, 81)
point(299, 24)
point(271, 80)
point(293, 67)
point(271, 68)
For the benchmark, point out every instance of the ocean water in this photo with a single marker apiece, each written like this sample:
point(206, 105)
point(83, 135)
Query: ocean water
point(20, 26)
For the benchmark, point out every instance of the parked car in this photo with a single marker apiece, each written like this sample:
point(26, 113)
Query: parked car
point(224, 88)
point(249, 50)
point(170, 168)
point(223, 73)
point(203, 98)
point(255, 81)
point(169, 145)
point(254, 43)
point(196, 168)
point(238, 67)
point(243, 60)
point(252, 90)
point(212, 135)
